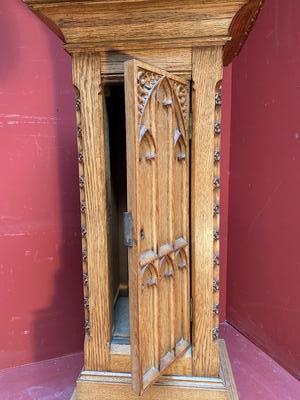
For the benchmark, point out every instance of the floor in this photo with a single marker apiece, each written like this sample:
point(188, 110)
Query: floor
point(257, 376)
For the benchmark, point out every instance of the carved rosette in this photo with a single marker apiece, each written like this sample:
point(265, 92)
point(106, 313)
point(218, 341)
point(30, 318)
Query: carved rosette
point(83, 213)
point(216, 208)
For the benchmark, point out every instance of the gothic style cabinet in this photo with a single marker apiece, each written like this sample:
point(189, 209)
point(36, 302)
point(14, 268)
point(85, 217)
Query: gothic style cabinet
point(147, 76)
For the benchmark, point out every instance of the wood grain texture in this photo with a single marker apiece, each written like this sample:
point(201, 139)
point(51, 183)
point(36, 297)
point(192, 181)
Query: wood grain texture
point(206, 72)
point(157, 117)
point(87, 80)
point(170, 59)
point(97, 385)
point(122, 24)
point(121, 362)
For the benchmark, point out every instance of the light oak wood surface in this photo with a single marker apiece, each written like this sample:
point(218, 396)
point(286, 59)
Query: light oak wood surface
point(94, 385)
point(157, 118)
point(171, 230)
point(207, 71)
point(137, 24)
point(87, 80)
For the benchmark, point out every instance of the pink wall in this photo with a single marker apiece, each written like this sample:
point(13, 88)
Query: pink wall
point(264, 208)
point(40, 253)
point(40, 268)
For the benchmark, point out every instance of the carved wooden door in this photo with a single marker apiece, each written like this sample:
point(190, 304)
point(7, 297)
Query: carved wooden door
point(157, 119)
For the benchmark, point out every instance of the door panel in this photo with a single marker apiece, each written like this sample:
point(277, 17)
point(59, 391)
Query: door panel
point(157, 116)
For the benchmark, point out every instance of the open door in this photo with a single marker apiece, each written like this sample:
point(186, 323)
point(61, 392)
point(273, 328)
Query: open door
point(157, 118)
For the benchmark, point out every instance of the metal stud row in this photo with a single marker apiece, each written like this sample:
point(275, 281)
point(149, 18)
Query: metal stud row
point(83, 211)
point(216, 211)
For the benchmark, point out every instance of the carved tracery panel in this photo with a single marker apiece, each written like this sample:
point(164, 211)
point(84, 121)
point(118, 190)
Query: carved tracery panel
point(157, 110)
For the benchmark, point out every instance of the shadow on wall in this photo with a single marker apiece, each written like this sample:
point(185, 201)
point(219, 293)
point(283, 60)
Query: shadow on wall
point(40, 239)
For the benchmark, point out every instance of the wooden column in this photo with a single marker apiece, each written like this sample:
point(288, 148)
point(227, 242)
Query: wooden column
point(206, 73)
point(92, 167)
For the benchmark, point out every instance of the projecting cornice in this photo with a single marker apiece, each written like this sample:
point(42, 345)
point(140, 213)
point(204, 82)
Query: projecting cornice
point(133, 24)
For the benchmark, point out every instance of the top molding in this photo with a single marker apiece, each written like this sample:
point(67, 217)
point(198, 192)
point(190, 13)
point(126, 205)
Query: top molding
point(139, 24)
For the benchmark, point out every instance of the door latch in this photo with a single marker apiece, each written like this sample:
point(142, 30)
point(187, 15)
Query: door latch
point(128, 229)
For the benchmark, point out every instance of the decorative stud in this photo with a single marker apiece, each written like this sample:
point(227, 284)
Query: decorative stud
point(217, 155)
point(177, 135)
point(86, 302)
point(85, 279)
point(216, 285)
point(87, 327)
point(151, 282)
point(216, 309)
point(167, 102)
point(217, 183)
point(182, 264)
point(215, 333)
point(217, 128)
point(216, 235)
point(82, 207)
point(78, 104)
point(181, 156)
point(81, 182)
point(216, 209)
point(218, 99)
point(150, 156)
point(83, 231)
point(79, 132)
point(80, 157)
point(84, 255)
point(168, 274)
point(216, 260)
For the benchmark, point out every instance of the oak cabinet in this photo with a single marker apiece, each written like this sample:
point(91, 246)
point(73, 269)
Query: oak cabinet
point(147, 76)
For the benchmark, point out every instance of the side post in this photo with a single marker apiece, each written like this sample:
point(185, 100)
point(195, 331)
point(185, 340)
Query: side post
point(93, 204)
point(205, 183)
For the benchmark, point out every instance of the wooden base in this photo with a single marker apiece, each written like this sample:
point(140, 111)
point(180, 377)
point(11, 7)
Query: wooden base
point(93, 385)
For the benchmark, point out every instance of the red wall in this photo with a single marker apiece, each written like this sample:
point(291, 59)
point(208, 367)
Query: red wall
point(264, 208)
point(40, 252)
point(40, 285)
point(225, 153)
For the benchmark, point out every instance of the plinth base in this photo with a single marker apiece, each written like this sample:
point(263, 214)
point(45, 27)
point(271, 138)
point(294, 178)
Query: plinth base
point(93, 385)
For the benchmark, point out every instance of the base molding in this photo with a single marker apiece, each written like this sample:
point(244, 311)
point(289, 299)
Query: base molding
point(94, 385)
